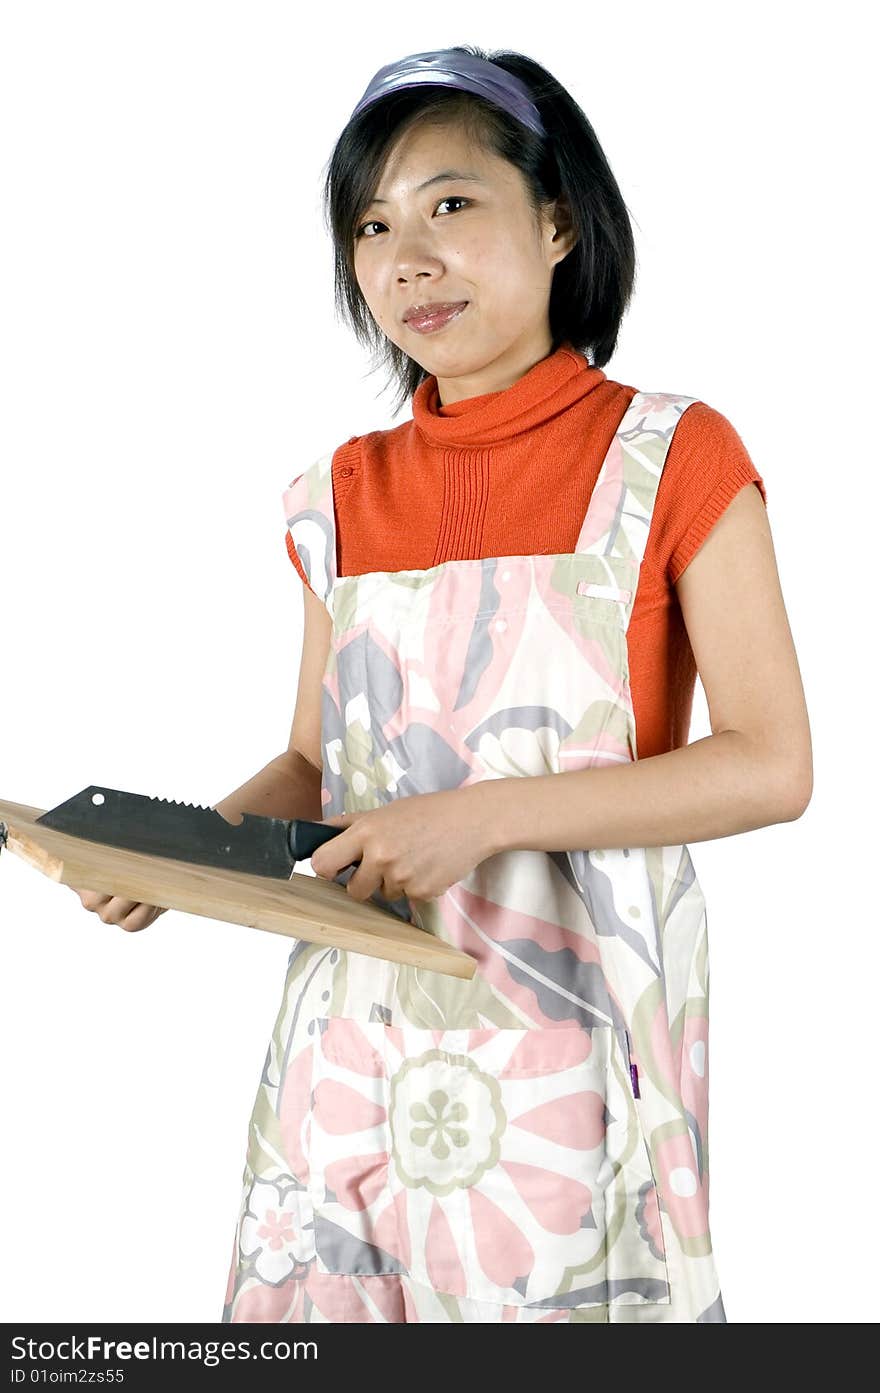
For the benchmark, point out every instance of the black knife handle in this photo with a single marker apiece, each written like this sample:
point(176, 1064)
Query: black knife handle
point(305, 837)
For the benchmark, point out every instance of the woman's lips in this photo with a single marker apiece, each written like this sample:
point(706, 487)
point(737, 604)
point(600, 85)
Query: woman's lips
point(429, 323)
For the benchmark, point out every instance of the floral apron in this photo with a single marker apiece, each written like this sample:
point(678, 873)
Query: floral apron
point(532, 1144)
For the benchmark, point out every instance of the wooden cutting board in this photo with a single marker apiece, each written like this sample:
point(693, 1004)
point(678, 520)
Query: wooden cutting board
point(304, 906)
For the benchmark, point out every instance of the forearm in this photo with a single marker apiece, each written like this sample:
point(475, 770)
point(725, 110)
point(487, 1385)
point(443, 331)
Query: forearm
point(716, 787)
point(288, 786)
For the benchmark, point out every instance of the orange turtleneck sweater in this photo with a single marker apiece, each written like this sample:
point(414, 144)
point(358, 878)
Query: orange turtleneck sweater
point(510, 473)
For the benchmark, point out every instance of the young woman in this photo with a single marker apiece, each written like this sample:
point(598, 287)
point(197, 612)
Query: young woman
point(507, 599)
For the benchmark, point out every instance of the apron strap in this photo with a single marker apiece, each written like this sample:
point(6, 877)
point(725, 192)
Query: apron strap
point(618, 518)
point(308, 509)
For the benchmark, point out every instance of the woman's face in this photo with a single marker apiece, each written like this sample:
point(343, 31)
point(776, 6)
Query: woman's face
point(459, 239)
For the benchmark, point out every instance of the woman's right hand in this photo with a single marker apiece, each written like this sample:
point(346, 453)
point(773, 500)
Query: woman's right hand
point(130, 915)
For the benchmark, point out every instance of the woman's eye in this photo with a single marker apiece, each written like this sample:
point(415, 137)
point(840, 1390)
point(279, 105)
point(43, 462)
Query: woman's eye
point(453, 198)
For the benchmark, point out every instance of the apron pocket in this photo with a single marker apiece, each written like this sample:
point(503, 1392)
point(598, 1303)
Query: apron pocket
point(501, 1165)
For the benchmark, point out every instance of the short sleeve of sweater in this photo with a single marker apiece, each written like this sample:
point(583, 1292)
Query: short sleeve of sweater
point(706, 466)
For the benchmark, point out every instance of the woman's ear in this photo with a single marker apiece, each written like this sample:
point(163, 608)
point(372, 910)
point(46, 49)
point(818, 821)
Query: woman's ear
point(562, 232)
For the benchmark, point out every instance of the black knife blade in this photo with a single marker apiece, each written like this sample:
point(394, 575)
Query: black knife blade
point(269, 846)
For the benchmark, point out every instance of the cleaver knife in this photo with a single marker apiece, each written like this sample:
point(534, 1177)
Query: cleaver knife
point(158, 827)
point(269, 846)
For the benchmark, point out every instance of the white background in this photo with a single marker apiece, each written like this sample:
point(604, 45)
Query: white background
point(170, 359)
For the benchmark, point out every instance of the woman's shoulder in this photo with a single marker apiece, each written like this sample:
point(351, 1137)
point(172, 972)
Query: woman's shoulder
point(313, 479)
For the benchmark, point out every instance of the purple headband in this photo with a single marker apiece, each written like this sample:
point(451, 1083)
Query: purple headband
point(447, 68)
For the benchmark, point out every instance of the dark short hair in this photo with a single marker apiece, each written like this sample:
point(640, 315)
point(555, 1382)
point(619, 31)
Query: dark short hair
point(591, 286)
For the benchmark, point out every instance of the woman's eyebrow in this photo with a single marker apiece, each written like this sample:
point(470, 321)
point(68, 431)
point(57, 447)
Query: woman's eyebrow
point(445, 174)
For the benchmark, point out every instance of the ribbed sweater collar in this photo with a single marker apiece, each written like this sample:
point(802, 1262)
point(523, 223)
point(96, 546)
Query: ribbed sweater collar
point(551, 385)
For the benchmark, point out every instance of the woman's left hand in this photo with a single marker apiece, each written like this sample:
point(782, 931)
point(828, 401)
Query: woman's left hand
point(417, 846)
